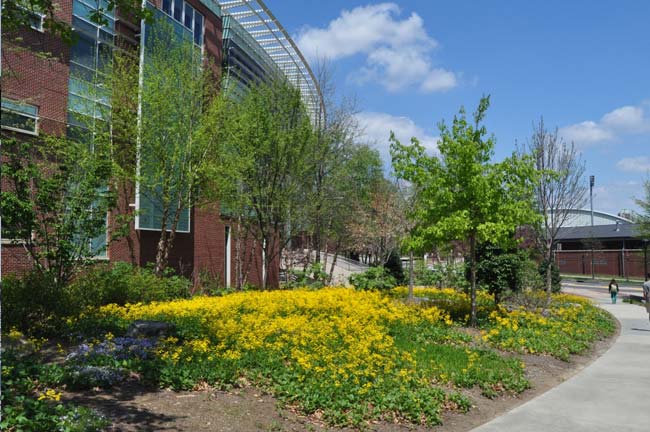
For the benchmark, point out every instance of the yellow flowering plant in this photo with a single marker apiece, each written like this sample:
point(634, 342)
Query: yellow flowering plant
point(355, 355)
point(570, 326)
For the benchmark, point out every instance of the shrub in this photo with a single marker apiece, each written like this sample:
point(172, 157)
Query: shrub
point(45, 313)
point(456, 303)
point(497, 270)
point(556, 279)
point(34, 302)
point(395, 268)
point(529, 276)
point(122, 283)
point(314, 277)
point(375, 278)
point(440, 275)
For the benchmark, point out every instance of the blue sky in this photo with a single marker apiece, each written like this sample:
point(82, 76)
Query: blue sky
point(582, 65)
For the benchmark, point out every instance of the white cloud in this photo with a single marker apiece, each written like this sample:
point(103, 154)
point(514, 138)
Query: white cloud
point(377, 127)
point(621, 121)
point(398, 52)
point(627, 118)
point(634, 164)
point(587, 132)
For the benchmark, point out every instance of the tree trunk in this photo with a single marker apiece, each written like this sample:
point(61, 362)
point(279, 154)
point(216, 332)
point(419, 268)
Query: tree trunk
point(161, 253)
point(336, 256)
point(325, 251)
point(411, 297)
point(472, 252)
point(308, 257)
point(238, 257)
point(549, 267)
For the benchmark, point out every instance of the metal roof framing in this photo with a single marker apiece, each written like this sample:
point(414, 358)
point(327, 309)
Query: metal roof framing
point(256, 18)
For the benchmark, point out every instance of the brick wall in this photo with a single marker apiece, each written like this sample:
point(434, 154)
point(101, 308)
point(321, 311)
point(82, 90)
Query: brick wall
point(35, 70)
point(14, 259)
point(628, 263)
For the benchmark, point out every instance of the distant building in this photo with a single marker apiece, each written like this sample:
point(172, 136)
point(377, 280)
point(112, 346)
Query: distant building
point(618, 249)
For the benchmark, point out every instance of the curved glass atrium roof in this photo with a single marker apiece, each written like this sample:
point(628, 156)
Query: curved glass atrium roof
point(254, 17)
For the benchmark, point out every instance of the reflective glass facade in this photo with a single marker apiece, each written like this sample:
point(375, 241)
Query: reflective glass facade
point(91, 56)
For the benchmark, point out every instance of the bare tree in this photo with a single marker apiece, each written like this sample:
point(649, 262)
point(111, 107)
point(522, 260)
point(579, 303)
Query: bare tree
point(560, 187)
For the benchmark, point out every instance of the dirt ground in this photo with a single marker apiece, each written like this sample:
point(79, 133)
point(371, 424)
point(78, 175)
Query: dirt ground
point(134, 408)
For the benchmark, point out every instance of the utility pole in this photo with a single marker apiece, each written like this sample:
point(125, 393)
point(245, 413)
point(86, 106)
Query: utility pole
point(592, 181)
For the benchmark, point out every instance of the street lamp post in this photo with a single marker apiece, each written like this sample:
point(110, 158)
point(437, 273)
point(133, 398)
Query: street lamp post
point(592, 181)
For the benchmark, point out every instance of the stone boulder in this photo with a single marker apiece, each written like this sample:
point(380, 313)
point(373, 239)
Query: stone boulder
point(149, 328)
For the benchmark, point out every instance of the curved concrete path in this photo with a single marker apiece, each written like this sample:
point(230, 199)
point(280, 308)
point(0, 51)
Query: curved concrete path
point(612, 394)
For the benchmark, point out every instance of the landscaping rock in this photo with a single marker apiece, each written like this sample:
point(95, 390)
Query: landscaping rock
point(147, 328)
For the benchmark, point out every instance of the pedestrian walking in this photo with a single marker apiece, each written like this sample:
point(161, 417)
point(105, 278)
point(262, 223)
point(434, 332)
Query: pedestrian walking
point(613, 290)
point(646, 294)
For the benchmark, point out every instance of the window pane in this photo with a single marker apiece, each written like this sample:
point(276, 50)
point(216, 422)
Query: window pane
point(19, 107)
point(81, 105)
point(167, 6)
point(18, 121)
point(178, 10)
point(189, 16)
point(98, 245)
point(198, 28)
point(105, 36)
point(80, 87)
point(82, 26)
point(83, 52)
point(81, 10)
point(35, 21)
point(104, 58)
point(81, 72)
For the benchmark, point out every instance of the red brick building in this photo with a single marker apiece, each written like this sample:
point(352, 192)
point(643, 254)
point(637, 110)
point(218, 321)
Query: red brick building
point(42, 92)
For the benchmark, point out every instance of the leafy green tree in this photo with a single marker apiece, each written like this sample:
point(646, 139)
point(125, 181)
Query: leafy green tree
point(643, 220)
point(176, 140)
point(329, 188)
point(56, 201)
point(461, 194)
point(267, 138)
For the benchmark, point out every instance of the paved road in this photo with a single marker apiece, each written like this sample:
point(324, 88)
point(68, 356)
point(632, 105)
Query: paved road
point(610, 395)
point(588, 287)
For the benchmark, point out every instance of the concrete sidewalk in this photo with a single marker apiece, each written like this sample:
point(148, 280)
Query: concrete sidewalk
point(611, 394)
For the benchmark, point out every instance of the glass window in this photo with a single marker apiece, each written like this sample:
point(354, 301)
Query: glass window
point(151, 211)
point(83, 52)
point(79, 87)
point(80, 72)
point(19, 116)
point(167, 6)
point(81, 10)
point(104, 58)
point(36, 21)
point(83, 26)
point(189, 16)
point(178, 10)
point(105, 36)
point(198, 28)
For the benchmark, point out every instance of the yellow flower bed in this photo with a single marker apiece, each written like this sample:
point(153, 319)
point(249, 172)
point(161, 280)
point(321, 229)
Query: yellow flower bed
point(571, 324)
point(337, 332)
